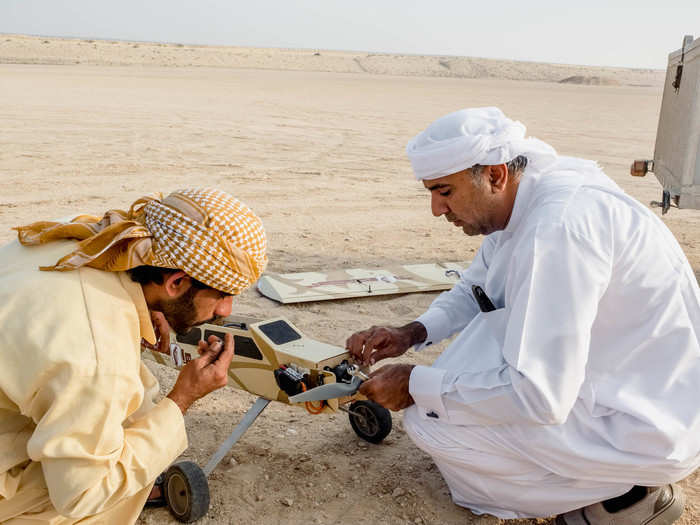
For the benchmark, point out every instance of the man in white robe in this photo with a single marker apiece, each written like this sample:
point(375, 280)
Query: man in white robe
point(572, 385)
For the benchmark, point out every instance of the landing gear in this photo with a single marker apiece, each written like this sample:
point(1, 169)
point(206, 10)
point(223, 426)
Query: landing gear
point(186, 488)
point(186, 491)
point(370, 421)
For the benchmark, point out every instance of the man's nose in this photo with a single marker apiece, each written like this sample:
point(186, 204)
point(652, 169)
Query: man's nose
point(437, 204)
point(225, 307)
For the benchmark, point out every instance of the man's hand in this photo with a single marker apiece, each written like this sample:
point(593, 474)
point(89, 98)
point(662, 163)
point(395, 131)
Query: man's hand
point(388, 386)
point(205, 374)
point(161, 328)
point(379, 342)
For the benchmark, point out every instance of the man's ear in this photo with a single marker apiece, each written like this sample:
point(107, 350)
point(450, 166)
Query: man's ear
point(498, 177)
point(176, 283)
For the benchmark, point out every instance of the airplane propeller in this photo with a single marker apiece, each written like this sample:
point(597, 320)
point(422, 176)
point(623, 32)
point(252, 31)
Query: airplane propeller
point(329, 391)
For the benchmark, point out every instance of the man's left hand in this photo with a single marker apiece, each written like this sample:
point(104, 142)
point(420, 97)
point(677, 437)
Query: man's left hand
point(161, 328)
point(388, 386)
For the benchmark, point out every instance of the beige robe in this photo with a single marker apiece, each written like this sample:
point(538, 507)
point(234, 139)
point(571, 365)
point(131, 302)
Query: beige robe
point(80, 435)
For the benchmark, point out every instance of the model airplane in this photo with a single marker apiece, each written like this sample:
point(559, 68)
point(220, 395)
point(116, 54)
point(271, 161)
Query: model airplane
point(276, 362)
point(359, 282)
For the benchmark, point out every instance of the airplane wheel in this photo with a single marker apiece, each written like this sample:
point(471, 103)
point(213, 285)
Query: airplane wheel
point(186, 491)
point(370, 421)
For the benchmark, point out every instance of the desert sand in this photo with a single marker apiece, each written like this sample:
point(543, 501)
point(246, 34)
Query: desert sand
point(314, 142)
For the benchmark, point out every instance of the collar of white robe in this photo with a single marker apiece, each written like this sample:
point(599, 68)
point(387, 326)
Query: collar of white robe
point(472, 136)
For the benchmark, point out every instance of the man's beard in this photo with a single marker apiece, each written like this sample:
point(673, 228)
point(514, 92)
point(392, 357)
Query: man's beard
point(181, 313)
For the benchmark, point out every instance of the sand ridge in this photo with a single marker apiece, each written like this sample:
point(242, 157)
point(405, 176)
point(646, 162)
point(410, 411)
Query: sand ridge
point(52, 50)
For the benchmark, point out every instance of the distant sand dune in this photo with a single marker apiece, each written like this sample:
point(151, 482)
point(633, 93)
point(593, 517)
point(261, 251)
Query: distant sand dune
point(589, 80)
point(18, 49)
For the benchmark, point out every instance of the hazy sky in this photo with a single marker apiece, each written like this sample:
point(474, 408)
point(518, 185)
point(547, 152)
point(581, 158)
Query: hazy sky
point(634, 33)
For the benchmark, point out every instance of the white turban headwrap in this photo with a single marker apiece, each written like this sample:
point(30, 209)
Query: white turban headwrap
point(467, 137)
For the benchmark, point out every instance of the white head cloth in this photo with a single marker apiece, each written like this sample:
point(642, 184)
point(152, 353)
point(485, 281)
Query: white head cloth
point(467, 137)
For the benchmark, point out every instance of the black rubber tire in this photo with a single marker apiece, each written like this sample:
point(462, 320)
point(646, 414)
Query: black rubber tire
point(373, 422)
point(186, 491)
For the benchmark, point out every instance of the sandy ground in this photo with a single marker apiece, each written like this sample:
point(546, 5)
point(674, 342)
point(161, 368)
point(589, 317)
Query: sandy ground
point(318, 154)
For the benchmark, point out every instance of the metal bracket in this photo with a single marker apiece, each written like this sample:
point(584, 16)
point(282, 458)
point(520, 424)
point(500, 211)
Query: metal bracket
point(667, 201)
point(238, 431)
point(351, 412)
point(687, 40)
point(355, 371)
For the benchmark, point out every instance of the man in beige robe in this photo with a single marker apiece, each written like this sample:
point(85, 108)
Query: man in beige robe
point(81, 439)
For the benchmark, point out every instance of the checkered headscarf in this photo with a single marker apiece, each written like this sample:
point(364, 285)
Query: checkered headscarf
point(208, 234)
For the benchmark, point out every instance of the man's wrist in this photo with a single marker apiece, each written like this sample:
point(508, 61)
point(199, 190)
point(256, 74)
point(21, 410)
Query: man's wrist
point(182, 404)
point(416, 331)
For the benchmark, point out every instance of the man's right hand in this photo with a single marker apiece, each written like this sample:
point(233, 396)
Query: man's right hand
point(379, 342)
point(205, 374)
